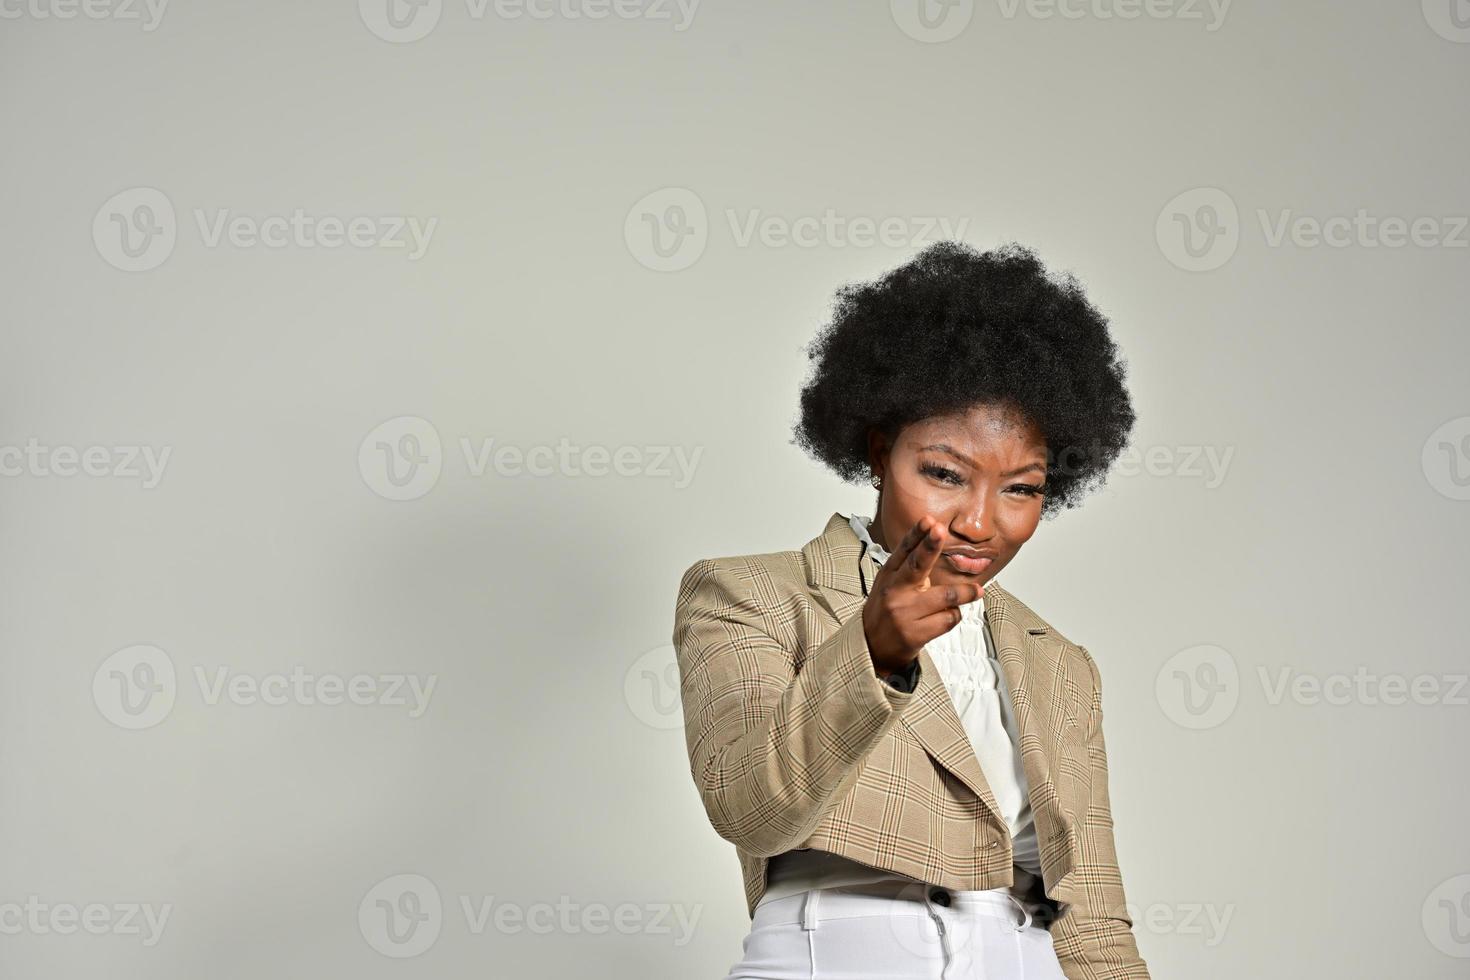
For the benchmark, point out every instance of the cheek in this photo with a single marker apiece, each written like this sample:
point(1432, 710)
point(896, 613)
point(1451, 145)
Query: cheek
point(911, 494)
point(1017, 528)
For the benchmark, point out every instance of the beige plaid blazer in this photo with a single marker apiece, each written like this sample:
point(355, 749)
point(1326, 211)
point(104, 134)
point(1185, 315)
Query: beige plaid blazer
point(795, 742)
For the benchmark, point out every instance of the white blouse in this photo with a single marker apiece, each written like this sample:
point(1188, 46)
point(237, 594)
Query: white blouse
point(966, 660)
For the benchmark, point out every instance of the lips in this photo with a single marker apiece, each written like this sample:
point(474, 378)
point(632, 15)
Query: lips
point(969, 562)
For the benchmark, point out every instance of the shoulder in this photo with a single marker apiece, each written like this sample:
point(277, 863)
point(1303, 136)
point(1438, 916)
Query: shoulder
point(771, 574)
point(761, 596)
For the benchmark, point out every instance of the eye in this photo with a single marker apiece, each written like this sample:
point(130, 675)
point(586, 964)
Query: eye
point(942, 473)
point(1029, 490)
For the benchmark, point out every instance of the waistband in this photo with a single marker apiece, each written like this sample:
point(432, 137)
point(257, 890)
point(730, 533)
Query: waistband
point(888, 898)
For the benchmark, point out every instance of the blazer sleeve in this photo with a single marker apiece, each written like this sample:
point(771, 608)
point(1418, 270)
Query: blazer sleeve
point(771, 746)
point(1093, 937)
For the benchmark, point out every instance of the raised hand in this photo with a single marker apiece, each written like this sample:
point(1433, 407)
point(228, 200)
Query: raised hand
point(903, 612)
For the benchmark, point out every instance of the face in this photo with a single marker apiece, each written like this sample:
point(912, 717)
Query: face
point(979, 473)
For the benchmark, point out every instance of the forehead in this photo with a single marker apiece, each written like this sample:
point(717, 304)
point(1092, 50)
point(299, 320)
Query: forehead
point(982, 428)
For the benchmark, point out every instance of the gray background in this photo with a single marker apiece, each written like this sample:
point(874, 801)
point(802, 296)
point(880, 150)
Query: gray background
point(1260, 835)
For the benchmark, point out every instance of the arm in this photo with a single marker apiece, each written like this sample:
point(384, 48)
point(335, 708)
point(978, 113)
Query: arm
point(770, 747)
point(1093, 937)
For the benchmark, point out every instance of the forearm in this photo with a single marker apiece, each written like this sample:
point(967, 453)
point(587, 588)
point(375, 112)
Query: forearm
point(1096, 947)
point(768, 763)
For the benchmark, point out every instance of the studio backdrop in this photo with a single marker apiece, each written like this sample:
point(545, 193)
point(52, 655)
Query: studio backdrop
point(373, 372)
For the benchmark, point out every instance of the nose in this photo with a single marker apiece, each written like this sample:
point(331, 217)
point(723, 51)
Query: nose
point(973, 522)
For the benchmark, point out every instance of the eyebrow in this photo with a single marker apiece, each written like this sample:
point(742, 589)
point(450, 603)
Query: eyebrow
point(946, 447)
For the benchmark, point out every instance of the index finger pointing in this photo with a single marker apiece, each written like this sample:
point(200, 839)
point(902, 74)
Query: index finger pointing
point(900, 556)
point(927, 556)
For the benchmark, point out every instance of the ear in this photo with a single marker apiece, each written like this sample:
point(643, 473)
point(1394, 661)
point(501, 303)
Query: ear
point(877, 450)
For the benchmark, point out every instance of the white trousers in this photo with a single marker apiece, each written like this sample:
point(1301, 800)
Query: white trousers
point(888, 932)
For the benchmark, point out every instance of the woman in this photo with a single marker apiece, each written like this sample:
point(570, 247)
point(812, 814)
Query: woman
point(909, 761)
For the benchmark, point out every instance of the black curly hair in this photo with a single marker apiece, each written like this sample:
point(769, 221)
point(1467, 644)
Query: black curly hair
point(953, 328)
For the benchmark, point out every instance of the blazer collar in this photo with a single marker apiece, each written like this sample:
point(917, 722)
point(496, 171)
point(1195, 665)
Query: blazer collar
point(838, 566)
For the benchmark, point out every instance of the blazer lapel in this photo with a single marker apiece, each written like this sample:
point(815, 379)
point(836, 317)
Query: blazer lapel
point(839, 568)
point(1027, 671)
